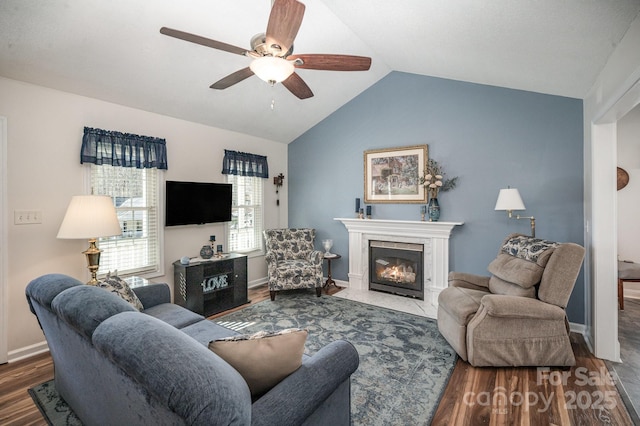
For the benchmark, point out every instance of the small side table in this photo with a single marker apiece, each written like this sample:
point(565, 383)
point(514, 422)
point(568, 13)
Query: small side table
point(330, 280)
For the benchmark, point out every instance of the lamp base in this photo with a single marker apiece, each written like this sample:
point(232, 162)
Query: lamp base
point(93, 260)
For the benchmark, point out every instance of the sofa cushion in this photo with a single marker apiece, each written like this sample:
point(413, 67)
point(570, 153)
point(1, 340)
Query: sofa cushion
point(499, 286)
point(120, 288)
point(294, 268)
point(263, 359)
point(521, 260)
point(153, 294)
point(174, 315)
point(518, 271)
point(205, 331)
point(85, 307)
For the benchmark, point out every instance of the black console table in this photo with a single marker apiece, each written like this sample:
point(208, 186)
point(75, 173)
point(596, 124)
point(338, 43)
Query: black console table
point(212, 285)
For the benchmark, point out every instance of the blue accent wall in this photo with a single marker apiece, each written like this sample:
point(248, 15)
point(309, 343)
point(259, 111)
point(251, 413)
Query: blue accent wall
point(490, 137)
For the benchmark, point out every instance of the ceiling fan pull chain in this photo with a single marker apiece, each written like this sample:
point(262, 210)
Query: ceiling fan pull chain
point(273, 104)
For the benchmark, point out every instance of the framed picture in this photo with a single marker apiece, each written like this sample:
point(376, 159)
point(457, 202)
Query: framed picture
point(393, 175)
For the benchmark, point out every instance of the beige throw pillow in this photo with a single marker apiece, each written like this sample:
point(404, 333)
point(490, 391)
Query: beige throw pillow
point(263, 359)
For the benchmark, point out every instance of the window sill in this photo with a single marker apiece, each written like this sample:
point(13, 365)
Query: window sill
point(250, 253)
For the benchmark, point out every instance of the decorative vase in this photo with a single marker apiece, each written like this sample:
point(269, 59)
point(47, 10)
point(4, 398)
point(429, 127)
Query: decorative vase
point(206, 252)
point(327, 244)
point(434, 210)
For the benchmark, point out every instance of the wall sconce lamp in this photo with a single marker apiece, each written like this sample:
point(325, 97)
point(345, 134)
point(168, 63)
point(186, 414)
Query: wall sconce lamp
point(509, 199)
point(90, 217)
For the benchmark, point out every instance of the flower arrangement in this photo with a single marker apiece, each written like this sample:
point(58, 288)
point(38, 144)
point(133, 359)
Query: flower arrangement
point(434, 180)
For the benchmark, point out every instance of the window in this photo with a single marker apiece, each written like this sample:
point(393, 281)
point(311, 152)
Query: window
point(135, 194)
point(245, 228)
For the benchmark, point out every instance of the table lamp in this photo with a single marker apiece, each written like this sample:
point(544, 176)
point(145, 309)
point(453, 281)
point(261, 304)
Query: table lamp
point(509, 199)
point(90, 217)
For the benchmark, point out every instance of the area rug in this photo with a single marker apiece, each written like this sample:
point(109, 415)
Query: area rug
point(52, 406)
point(405, 363)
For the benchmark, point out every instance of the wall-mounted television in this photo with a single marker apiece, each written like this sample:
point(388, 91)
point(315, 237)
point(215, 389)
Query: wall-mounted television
point(196, 203)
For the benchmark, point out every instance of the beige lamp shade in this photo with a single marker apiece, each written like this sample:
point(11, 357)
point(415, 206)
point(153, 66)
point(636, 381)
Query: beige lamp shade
point(90, 216)
point(509, 199)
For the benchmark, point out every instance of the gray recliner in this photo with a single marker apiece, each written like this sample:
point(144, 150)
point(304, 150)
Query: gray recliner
point(516, 316)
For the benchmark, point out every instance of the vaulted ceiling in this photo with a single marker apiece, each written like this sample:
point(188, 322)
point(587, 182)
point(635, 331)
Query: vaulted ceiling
point(113, 50)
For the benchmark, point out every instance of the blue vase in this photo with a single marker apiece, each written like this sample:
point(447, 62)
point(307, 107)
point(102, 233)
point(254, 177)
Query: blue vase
point(433, 210)
point(206, 252)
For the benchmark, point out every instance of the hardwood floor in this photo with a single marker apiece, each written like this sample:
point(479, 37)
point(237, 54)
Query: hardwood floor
point(627, 369)
point(16, 406)
point(582, 395)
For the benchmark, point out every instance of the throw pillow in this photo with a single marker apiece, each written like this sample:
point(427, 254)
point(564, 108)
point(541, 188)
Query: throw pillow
point(119, 287)
point(263, 359)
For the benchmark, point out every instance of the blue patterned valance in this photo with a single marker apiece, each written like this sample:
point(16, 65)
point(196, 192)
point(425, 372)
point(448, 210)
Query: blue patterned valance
point(243, 164)
point(123, 149)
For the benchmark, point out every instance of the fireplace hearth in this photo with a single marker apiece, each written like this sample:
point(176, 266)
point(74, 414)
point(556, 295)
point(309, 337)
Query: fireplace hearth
point(396, 268)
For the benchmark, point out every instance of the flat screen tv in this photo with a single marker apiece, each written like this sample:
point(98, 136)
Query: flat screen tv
point(196, 203)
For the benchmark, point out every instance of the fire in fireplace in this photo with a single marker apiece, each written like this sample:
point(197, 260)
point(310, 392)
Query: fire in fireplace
point(396, 268)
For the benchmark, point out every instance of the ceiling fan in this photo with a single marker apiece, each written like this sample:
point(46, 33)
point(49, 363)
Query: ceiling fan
point(272, 52)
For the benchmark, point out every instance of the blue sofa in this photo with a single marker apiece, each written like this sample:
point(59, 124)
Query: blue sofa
point(115, 365)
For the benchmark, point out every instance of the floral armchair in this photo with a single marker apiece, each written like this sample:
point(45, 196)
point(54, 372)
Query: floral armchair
point(292, 260)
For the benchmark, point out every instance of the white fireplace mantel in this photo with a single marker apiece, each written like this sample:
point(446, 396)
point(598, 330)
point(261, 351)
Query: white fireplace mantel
point(434, 236)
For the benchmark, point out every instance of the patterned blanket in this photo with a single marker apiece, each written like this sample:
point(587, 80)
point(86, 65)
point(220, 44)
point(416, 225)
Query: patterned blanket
point(527, 248)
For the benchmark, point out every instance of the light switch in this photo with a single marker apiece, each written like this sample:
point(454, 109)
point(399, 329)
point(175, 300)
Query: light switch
point(27, 217)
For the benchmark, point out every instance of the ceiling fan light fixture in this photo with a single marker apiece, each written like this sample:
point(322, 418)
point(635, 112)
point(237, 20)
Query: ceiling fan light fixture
point(272, 69)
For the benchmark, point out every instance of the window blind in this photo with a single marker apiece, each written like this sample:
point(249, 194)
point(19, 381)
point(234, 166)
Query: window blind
point(245, 228)
point(135, 195)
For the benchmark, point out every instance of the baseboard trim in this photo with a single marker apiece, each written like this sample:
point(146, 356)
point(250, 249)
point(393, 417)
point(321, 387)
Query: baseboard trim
point(584, 331)
point(578, 328)
point(341, 283)
point(258, 282)
point(28, 351)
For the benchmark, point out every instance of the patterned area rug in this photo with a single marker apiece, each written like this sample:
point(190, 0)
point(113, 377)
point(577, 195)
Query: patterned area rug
point(404, 361)
point(52, 406)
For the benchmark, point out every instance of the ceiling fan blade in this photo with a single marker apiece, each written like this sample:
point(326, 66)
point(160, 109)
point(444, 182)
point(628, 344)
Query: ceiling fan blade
point(297, 86)
point(284, 23)
point(202, 40)
point(232, 79)
point(332, 62)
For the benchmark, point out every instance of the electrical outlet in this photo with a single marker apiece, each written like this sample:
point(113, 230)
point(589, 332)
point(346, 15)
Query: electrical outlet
point(27, 217)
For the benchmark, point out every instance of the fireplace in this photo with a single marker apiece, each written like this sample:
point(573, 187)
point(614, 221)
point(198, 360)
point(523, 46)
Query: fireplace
point(397, 267)
point(433, 236)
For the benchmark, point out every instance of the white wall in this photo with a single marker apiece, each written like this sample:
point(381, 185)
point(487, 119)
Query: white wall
point(612, 96)
point(629, 196)
point(44, 134)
